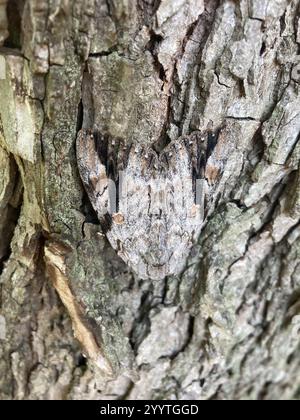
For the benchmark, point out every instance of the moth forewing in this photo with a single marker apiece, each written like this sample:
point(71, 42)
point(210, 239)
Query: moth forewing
point(156, 202)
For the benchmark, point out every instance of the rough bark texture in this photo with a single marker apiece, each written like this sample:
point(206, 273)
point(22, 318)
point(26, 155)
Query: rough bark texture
point(149, 72)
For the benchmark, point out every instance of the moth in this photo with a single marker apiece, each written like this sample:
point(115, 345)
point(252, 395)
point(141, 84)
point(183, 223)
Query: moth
point(150, 204)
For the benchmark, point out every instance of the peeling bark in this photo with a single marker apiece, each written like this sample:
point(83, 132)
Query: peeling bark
point(149, 72)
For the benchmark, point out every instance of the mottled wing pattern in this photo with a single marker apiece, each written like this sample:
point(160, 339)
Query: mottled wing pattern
point(158, 211)
point(93, 172)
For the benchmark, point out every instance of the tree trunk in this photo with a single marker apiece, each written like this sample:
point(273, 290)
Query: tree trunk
point(75, 322)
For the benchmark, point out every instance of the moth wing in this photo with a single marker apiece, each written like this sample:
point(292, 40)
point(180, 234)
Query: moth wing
point(92, 172)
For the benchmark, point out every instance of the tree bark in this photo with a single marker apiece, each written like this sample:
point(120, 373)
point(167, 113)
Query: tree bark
point(75, 323)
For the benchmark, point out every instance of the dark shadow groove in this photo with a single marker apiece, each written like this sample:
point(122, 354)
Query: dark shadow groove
point(14, 12)
point(10, 216)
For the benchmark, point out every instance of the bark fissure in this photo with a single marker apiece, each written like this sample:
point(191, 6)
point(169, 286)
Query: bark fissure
point(14, 10)
point(10, 209)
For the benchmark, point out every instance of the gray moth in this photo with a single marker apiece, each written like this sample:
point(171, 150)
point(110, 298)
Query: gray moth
point(150, 204)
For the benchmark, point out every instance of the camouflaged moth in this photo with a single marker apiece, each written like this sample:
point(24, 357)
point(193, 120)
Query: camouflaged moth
point(150, 205)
